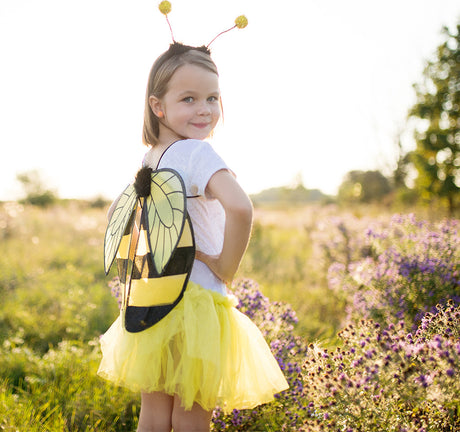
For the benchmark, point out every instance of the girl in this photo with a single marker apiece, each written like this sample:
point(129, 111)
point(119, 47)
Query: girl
point(205, 352)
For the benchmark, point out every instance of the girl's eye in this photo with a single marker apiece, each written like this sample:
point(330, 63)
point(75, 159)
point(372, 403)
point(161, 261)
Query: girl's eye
point(188, 99)
point(212, 99)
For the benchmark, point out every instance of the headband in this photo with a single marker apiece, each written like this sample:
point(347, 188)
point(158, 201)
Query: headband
point(178, 48)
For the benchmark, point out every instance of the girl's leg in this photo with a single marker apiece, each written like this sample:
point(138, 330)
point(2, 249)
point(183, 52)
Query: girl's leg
point(156, 412)
point(195, 420)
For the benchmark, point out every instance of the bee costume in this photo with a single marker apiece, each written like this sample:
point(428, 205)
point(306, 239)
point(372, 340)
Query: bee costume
point(178, 331)
point(151, 234)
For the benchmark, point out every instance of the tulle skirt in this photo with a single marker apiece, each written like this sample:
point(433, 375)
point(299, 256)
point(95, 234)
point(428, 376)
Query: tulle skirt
point(204, 351)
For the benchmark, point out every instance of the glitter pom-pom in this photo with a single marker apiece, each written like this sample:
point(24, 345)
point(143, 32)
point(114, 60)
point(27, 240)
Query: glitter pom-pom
point(241, 22)
point(165, 7)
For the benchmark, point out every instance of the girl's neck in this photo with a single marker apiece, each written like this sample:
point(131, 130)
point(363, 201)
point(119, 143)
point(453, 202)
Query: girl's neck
point(166, 137)
point(156, 153)
point(165, 140)
point(161, 147)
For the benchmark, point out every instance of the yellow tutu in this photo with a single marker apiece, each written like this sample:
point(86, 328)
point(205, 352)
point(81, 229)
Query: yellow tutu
point(204, 351)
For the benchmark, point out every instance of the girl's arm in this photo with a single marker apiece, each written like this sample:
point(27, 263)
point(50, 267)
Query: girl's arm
point(238, 222)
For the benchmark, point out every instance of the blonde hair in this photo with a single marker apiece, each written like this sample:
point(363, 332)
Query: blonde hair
point(161, 73)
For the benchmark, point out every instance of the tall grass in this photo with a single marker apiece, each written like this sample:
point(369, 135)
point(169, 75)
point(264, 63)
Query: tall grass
point(283, 258)
point(55, 304)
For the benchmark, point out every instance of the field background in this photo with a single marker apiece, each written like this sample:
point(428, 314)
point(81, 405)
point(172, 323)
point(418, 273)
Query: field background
point(56, 302)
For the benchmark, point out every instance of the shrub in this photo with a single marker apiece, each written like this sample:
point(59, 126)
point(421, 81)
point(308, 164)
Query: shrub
point(412, 266)
point(385, 379)
point(340, 239)
point(35, 190)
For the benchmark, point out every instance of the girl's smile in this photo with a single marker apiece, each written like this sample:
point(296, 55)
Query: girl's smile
point(191, 105)
point(200, 125)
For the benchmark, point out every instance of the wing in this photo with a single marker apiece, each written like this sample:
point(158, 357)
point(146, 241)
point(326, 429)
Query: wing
point(165, 210)
point(117, 225)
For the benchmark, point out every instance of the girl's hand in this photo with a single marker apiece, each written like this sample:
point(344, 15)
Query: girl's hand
point(213, 262)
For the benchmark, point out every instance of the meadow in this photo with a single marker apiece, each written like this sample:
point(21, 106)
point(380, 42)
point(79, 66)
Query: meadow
point(360, 307)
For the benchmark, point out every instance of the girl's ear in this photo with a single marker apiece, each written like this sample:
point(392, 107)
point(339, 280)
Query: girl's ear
point(155, 106)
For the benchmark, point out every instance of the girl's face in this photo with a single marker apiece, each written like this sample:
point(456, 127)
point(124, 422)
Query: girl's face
point(191, 106)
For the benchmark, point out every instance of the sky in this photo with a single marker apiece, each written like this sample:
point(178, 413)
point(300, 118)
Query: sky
point(311, 88)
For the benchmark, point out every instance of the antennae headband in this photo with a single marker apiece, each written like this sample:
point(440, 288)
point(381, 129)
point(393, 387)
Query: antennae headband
point(165, 7)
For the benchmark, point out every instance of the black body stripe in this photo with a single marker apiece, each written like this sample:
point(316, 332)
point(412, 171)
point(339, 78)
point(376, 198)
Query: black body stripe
point(180, 263)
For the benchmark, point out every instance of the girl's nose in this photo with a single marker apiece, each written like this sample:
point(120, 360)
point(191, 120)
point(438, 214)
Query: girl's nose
point(204, 109)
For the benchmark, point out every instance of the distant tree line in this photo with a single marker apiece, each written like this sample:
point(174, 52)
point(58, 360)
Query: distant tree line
point(37, 193)
point(298, 194)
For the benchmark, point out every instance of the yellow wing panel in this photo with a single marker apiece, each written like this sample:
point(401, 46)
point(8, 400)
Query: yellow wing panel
point(142, 246)
point(123, 249)
point(155, 292)
point(186, 239)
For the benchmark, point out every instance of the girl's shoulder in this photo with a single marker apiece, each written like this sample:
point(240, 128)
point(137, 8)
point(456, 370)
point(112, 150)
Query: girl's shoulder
point(183, 152)
point(188, 147)
point(194, 160)
point(178, 150)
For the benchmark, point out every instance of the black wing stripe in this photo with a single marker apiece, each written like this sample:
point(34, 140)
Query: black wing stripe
point(143, 269)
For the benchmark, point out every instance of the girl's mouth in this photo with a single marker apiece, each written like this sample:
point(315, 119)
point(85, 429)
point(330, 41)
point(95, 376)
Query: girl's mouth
point(200, 125)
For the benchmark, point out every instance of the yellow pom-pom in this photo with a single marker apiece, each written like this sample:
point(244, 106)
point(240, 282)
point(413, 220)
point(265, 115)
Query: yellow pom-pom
point(165, 7)
point(241, 22)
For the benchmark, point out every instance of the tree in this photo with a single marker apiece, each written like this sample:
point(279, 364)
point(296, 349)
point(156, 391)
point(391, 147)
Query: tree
point(401, 171)
point(35, 190)
point(363, 186)
point(437, 129)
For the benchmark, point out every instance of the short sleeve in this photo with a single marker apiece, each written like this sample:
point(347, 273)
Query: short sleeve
point(204, 162)
point(195, 161)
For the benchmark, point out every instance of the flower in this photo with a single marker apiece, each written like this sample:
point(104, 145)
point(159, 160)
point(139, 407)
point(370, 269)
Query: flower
point(165, 7)
point(241, 22)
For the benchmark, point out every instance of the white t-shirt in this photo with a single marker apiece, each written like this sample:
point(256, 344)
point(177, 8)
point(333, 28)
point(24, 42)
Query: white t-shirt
point(196, 162)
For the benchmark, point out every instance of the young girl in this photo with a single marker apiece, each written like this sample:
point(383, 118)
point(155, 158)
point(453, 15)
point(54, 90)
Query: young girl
point(205, 352)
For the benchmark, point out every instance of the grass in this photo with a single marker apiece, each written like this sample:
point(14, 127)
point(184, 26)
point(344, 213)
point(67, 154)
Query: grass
point(56, 303)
